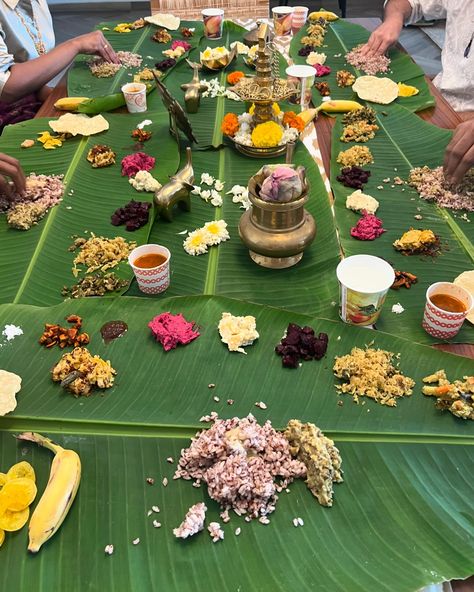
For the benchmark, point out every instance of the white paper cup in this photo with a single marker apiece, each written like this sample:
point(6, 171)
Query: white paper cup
point(305, 76)
point(364, 281)
point(440, 323)
point(135, 96)
point(282, 19)
point(298, 19)
point(213, 19)
point(153, 280)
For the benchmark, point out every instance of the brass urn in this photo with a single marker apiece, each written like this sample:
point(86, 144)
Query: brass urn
point(276, 233)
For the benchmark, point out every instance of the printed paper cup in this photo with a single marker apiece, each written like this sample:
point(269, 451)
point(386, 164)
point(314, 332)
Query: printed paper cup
point(135, 96)
point(364, 281)
point(305, 76)
point(438, 322)
point(153, 280)
point(213, 19)
point(282, 18)
point(298, 20)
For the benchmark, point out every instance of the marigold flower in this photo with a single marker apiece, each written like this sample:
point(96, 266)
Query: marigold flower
point(234, 77)
point(267, 135)
point(230, 124)
point(292, 120)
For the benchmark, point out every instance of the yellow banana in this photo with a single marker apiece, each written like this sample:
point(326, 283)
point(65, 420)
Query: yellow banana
point(69, 103)
point(57, 498)
point(308, 115)
point(339, 106)
point(325, 14)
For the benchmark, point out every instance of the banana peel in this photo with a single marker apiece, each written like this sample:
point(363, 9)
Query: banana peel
point(69, 103)
point(339, 106)
point(327, 15)
point(308, 115)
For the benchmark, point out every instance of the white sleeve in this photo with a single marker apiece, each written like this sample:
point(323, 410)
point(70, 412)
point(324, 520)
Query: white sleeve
point(426, 9)
point(6, 62)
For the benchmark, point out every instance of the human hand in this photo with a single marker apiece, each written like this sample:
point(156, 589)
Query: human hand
point(459, 156)
point(95, 43)
point(10, 167)
point(382, 38)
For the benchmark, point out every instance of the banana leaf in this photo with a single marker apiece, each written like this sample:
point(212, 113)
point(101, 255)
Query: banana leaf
point(340, 38)
point(157, 388)
point(405, 141)
point(37, 262)
point(401, 519)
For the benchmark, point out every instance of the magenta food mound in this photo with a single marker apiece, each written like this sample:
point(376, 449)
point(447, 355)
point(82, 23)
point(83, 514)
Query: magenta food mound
point(172, 330)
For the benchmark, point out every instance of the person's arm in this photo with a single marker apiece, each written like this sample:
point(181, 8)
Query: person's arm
point(459, 157)
point(10, 167)
point(32, 75)
point(396, 12)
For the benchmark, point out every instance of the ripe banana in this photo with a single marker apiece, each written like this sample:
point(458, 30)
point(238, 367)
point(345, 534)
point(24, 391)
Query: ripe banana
point(338, 106)
point(57, 498)
point(325, 14)
point(69, 103)
point(308, 115)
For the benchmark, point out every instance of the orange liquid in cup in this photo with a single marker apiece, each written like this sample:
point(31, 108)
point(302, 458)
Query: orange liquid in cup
point(448, 303)
point(150, 260)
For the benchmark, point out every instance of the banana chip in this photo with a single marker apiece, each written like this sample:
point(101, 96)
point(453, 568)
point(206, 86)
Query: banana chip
point(3, 480)
point(17, 495)
point(10, 384)
point(2, 536)
point(11, 521)
point(20, 470)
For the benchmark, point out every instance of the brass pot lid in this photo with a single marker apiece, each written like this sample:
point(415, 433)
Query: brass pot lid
point(251, 38)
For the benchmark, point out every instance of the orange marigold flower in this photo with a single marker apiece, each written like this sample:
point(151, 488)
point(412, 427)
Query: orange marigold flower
point(234, 77)
point(291, 119)
point(230, 124)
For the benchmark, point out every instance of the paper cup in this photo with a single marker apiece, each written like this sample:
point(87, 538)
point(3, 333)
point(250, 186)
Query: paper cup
point(364, 281)
point(153, 280)
point(135, 96)
point(438, 322)
point(305, 76)
point(298, 20)
point(213, 19)
point(282, 19)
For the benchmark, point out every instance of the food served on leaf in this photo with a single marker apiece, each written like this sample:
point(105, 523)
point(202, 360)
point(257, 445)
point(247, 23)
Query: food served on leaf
point(320, 457)
point(42, 193)
point(322, 69)
point(161, 36)
point(79, 372)
point(193, 522)
point(141, 135)
point(355, 156)
point(100, 156)
point(113, 330)
point(164, 65)
point(244, 465)
point(403, 278)
point(100, 253)
point(138, 161)
point(17, 493)
point(457, 397)
point(432, 186)
point(123, 28)
point(360, 131)
point(57, 498)
point(95, 285)
point(162, 19)
point(365, 114)
point(345, 78)
point(305, 51)
point(405, 90)
point(64, 336)
point(370, 64)
point(185, 32)
point(358, 201)
point(368, 227)
point(466, 281)
point(174, 53)
point(134, 215)
point(144, 181)
point(27, 144)
point(301, 343)
point(146, 74)
point(323, 88)
point(314, 58)
point(237, 331)
point(354, 177)
point(413, 242)
point(376, 90)
point(79, 124)
point(371, 373)
point(212, 233)
point(22, 469)
point(172, 330)
point(50, 142)
point(10, 385)
point(102, 69)
point(215, 532)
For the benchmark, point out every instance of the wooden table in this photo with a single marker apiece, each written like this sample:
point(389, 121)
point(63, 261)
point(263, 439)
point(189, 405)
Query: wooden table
point(441, 115)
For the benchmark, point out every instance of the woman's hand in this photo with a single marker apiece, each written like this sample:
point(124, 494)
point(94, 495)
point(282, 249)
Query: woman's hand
point(459, 157)
point(95, 43)
point(10, 167)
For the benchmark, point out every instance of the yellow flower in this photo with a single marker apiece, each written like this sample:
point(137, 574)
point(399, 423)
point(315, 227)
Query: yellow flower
point(196, 242)
point(49, 142)
point(267, 135)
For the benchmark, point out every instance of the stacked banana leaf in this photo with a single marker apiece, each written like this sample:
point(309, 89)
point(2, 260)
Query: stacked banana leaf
point(402, 517)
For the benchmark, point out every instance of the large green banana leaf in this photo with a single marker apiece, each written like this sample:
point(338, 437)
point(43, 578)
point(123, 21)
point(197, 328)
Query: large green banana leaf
point(37, 262)
point(403, 142)
point(341, 37)
point(153, 387)
point(400, 520)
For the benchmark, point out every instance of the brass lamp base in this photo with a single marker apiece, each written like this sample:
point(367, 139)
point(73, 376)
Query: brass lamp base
point(255, 152)
point(275, 262)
